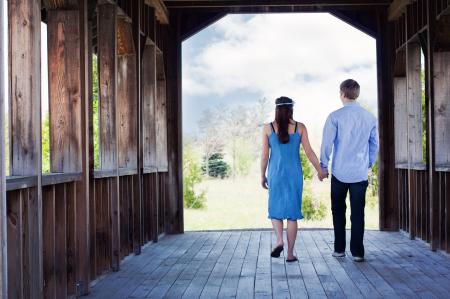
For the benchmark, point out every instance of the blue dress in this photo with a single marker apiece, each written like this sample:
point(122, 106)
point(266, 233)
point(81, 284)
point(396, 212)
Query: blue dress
point(285, 177)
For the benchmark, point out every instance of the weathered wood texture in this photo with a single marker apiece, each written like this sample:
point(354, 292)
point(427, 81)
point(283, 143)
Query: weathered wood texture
point(149, 106)
point(442, 107)
point(109, 117)
point(64, 90)
point(401, 121)
point(414, 103)
point(25, 207)
point(237, 264)
point(161, 115)
point(3, 222)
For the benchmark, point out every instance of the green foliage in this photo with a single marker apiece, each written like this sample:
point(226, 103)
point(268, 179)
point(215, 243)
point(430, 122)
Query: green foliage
point(95, 112)
point(373, 180)
point(191, 177)
point(46, 144)
point(243, 156)
point(312, 207)
point(215, 166)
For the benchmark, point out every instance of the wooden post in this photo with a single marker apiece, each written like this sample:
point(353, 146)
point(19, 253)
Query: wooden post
point(385, 58)
point(107, 72)
point(174, 204)
point(3, 236)
point(82, 259)
point(137, 183)
point(433, 180)
point(25, 128)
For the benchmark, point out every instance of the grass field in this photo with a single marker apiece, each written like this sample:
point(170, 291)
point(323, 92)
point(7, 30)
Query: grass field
point(242, 203)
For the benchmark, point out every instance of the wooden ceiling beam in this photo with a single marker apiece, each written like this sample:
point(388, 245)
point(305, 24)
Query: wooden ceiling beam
point(396, 9)
point(180, 4)
point(161, 11)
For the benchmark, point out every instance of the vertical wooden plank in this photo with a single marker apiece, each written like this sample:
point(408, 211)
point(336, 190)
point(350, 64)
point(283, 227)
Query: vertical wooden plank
point(3, 209)
point(99, 227)
point(60, 241)
point(25, 127)
point(15, 245)
point(148, 105)
point(107, 64)
point(442, 106)
point(155, 206)
point(64, 90)
point(447, 209)
point(71, 231)
point(401, 120)
point(161, 115)
point(48, 210)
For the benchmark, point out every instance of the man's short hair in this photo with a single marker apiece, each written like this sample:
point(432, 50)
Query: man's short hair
point(350, 89)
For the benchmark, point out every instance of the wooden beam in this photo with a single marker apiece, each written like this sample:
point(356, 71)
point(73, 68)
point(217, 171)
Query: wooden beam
point(161, 11)
point(161, 114)
point(25, 127)
point(107, 72)
point(3, 224)
point(148, 105)
point(397, 8)
point(268, 3)
point(138, 228)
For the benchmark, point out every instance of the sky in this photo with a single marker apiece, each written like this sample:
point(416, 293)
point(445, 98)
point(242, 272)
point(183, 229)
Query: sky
point(243, 58)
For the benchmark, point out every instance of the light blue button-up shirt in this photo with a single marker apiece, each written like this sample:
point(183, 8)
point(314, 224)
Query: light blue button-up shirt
point(351, 133)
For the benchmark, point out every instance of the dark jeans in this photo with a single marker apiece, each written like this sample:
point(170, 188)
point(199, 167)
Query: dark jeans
point(357, 203)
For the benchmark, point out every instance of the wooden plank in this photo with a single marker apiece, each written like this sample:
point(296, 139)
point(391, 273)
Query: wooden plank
point(245, 288)
point(107, 60)
point(71, 231)
point(442, 107)
point(280, 288)
point(401, 120)
point(3, 205)
point(64, 90)
point(161, 114)
point(48, 209)
point(60, 268)
point(148, 105)
point(15, 244)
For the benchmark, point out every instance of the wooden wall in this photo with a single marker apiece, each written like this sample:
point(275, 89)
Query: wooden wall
point(422, 184)
point(66, 228)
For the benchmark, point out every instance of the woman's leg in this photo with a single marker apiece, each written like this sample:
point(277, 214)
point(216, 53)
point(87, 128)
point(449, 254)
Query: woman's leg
point(278, 228)
point(291, 237)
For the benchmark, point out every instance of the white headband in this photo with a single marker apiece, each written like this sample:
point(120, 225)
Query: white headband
point(285, 104)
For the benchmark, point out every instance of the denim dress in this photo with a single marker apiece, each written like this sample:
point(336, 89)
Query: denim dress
point(285, 177)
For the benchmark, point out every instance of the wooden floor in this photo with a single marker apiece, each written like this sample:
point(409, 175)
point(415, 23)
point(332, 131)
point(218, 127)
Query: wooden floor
point(238, 264)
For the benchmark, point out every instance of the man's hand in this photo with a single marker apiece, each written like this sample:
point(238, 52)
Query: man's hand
point(322, 174)
point(264, 182)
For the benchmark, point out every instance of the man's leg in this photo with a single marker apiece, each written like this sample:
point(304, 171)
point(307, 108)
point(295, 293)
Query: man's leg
point(357, 204)
point(338, 207)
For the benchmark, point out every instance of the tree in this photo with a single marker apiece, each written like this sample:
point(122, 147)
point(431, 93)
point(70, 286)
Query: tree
point(191, 178)
point(215, 166)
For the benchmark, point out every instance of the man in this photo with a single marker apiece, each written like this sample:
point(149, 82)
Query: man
point(351, 134)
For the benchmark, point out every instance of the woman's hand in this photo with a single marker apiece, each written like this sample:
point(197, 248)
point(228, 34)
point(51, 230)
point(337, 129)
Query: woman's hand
point(264, 182)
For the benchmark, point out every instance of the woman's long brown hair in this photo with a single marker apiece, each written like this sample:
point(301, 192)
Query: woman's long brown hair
point(283, 116)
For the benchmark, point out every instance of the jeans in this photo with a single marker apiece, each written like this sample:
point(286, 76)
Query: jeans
point(338, 206)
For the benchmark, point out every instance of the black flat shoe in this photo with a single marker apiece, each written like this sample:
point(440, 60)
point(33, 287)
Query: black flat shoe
point(276, 251)
point(292, 260)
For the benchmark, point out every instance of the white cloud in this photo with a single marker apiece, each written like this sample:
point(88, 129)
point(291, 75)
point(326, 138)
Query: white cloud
point(303, 56)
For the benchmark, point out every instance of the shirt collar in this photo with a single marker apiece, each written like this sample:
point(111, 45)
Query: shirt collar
point(354, 103)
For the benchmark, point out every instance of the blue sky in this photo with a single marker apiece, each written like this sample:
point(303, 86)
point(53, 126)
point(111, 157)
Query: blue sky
point(243, 58)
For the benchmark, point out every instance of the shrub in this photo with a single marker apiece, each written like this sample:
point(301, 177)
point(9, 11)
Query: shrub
point(192, 177)
point(312, 209)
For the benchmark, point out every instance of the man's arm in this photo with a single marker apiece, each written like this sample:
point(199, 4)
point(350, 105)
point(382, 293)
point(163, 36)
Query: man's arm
point(373, 145)
point(329, 134)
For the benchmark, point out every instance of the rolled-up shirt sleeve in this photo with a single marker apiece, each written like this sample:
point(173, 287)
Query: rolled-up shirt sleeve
point(329, 134)
point(373, 145)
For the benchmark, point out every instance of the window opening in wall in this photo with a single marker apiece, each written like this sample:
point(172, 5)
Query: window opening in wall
point(423, 106)
point(45, 116)
point(95, 112)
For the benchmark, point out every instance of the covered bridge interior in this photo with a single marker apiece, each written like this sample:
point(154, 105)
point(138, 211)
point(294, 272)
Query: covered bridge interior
point(62, 230)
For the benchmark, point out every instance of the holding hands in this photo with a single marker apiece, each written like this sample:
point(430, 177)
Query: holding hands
point(322, 174)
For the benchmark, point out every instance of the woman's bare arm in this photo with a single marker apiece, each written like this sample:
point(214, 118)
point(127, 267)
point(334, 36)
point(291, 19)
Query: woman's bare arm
point(308, 149)
point(264, 156)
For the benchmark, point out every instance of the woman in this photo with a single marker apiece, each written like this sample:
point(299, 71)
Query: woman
point(285, 178)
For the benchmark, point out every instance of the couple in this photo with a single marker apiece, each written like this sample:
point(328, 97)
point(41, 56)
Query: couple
point(351, 134)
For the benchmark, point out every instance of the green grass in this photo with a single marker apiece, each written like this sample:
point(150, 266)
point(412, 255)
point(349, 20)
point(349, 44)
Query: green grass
point(242, 203)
